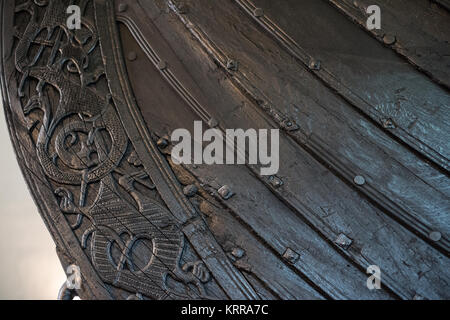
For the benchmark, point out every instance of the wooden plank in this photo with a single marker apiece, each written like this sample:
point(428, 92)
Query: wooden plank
point(228, 277)
point(419, 128)
point(302, 193)
point(247, 252)
point(322, 265)
point(361, 66)
point(415, 29)
point(39, 186)
point(163, 123)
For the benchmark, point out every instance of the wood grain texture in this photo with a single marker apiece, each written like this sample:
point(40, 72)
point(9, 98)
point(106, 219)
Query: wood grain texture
point(419, 28)
point(248, 115)
point(354, 150)
point(364, 134)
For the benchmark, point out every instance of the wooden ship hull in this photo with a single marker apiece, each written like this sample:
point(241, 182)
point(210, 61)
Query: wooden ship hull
point(364, 120)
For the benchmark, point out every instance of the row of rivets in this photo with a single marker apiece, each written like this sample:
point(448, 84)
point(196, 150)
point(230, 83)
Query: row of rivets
point(162, 65)
point(342, 240)
point(360, 181)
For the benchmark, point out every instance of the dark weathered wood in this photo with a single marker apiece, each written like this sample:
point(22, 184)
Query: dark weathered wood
point(39, 186)
point(101, 209)
point(416, 29)
point(411, 127)
point(360, 62)
point(294, 237)
point(248, 254)
point(294, 195)
point(193, 227)
point(90, 113)
point(444, 3)
point(246, 116)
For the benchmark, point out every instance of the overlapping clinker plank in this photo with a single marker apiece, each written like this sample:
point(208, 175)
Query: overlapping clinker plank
point(316, 196)
point(416, 29)
point(272, 221)
point(154, 91)
point(408, 188)
point(255, 258)
point(368, 76)
point(363, 66)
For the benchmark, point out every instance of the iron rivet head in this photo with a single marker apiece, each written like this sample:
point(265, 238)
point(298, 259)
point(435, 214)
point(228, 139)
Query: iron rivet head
point(232, 65)
point(289, 125)
point(190, 190)
point(123, 7)
point(359, 180)
point(212, 123)
point(343, 241)
point(315, 64)
point(435, 236)
point(225, 192)
point(388, 124)
point(389, 39)
point(291, 256)
point(162, 143)
point(162, 65)
point(238, 253)
point(132, 56)
point(258, 12)
point(276, 182)
point(181, 7)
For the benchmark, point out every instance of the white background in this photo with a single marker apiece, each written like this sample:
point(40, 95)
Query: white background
point(29, 266)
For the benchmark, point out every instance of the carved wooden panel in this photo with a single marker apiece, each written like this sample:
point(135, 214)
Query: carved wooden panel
point(363, 176)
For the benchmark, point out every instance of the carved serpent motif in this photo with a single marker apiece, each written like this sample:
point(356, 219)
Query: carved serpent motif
point(116, 225)
point(75, 98)
point(166, 241)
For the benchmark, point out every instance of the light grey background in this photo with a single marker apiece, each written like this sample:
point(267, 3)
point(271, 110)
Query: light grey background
point(29, 267)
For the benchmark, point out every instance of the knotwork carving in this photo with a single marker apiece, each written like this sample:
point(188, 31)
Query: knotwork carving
point(71, 51)
point(81, 143)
